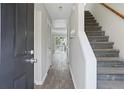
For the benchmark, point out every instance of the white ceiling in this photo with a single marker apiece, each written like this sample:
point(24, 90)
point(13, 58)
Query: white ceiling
point(56, 13)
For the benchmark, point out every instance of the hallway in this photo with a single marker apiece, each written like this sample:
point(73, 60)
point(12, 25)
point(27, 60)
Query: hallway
point(59, 76)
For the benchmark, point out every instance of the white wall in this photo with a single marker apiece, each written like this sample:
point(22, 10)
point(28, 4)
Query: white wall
point(77, 65)
point(41, 43)
point(59, 31)
point(74, 20)
point(111, 23)
point(88, 6)
point(59, 23)
point(82, 59)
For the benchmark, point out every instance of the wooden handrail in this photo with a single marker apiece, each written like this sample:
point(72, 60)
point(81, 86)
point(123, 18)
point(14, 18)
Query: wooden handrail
point(113, 10)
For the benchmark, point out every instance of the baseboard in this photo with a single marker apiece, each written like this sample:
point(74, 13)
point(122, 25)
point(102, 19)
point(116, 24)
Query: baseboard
point(44, 77)
point(38, 82)
point(42, 81)
point(73, 78)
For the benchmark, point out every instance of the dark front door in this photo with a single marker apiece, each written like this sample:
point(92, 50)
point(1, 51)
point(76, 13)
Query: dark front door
point(30, 46)
point(17, 33)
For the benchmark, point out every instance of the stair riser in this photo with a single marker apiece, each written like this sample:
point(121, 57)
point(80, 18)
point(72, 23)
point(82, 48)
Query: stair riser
point(110, 70)
point(110, 77)
point(86, 21)
point(101, 84)
point(110, 64)
point(88, 18)
point(91, 24)
point(93, 29)
point(106, 54)
point(101, 46)
point(87, 14)
point(95, 33)
point(86, 11)
point(98, 39)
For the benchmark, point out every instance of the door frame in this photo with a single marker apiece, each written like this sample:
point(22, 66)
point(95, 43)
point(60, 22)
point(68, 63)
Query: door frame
point(37, 45)
point(68, 44)
point(49, 53)
point(41, 43)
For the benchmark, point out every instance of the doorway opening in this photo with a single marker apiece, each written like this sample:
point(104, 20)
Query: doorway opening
point(60, 48)
point(52, 68)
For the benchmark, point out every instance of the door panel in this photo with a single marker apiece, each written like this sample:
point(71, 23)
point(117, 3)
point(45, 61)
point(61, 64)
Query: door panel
point(20, 82)
point(16, 39)
point(20, 44)
point(20, 25)
point(30, 26)
point(24, 43)
point(30, 45)
point(7, 28)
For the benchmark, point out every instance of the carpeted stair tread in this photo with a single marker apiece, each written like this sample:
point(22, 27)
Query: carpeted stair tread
point(110, 70)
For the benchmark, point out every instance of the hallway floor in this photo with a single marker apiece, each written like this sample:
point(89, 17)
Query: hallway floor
point(59, 76)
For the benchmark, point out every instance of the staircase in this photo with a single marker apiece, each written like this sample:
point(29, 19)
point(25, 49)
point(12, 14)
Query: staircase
point(110, 68)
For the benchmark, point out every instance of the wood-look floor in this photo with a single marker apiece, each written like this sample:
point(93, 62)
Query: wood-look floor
point(58, 77)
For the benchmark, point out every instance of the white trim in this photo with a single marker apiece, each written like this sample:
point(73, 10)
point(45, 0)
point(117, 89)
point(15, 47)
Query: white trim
point(38, 83)
point(44, 77)
point(73, 78)
point(42, 81)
